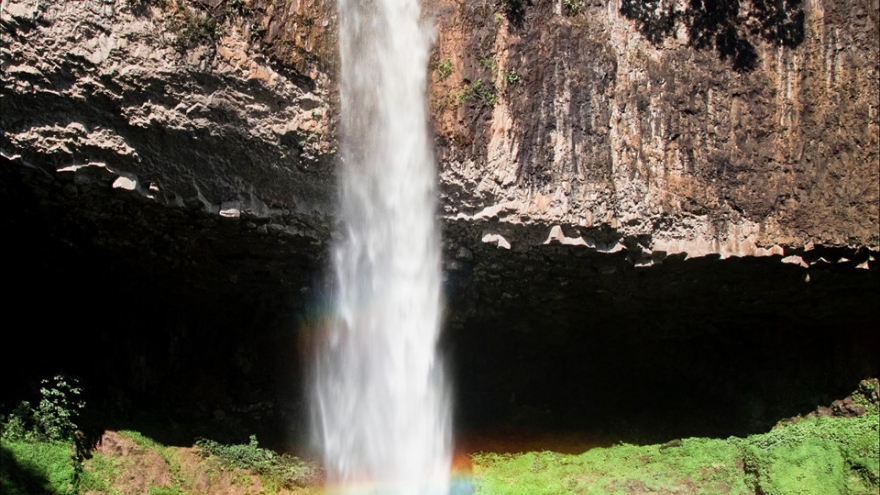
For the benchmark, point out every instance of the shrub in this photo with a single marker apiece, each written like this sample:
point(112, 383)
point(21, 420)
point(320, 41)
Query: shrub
point(477, 90)
point(284, 469)
point(54, 419)
point(60, 408)
point(39, 440)
point(444, 68)
point(489, 64)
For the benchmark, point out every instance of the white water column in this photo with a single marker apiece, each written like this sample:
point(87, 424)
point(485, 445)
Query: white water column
point(380, 387)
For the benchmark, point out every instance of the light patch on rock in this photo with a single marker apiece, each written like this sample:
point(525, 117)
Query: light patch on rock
point(701, 236)
point(498, 239)
point(795, 260)
point(490, 212)
point(230, 209)
point(557, 235)
point(125, 183)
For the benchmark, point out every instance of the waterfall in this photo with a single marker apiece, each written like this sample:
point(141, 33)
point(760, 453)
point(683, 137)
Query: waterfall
point(380, 388)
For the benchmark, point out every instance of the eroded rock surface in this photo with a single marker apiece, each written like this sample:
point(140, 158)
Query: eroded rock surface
point(179, 100)
point(567, 114)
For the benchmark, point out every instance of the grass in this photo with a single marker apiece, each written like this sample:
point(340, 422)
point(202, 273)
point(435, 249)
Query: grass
point(36, 467)
point(815, 456)
point(810, 456)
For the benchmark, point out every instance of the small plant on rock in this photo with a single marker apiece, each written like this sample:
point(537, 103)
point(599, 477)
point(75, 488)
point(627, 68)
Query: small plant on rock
point(477, 90)
point(574, 6)
point(257, 31)
point(444, 68)
point(489, 63)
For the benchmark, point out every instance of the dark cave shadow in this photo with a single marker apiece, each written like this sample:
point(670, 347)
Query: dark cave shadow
point(18, 479)
point(720, 24)
point(697, 348)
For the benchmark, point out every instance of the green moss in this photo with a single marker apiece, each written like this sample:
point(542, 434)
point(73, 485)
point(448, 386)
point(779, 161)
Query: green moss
point(37, 467)
point(817, 455)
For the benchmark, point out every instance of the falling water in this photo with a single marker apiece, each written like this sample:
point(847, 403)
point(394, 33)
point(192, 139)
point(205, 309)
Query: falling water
point(381, 393)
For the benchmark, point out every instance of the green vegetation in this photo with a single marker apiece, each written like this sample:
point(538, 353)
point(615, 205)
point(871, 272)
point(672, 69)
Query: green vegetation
point(444, 68)
point(511, 77)
point(189, 24)
point(36, 467)
point(477, 90)
point(277, 470)
point(818, 455)
point(575, 6)
point(489, 64)
point(42, 448)
point(193, 29)
point(42, 452)
point(257, 31)
point(237, 7)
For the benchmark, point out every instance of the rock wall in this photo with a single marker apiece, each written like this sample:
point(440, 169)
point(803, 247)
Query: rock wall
point(585, 121)
point(167, 188)
point(614, 120)
point(183, 100)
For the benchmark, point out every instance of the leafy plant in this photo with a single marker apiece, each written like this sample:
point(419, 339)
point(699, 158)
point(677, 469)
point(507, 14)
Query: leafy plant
point(236, 7)
point(59, 408)
point(489, 63)
point(284, 469)
point(192, 29)
point(477, 90)
point(444, 68)
point(574, 6)
point(39, 440)
point(511, 77)
point(257, 31)
point(19, 425)
point(54, 419)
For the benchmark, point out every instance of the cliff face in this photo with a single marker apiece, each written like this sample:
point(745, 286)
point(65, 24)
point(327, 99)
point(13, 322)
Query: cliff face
point(610, 172)
point(173, 97)
point(600, 122)
point(730, 129)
